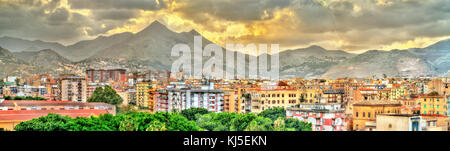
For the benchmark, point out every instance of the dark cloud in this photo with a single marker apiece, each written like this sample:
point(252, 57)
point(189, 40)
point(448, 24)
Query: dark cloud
point(115, 14)
point(60, 15)
point(238, 10)
point(118, 4)
point(361, 24)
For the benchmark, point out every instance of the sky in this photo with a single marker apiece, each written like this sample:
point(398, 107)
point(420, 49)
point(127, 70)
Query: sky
point(349, 25)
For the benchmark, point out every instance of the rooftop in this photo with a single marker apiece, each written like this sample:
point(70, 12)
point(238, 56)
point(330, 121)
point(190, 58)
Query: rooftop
point(377, 102)
point(31, 114)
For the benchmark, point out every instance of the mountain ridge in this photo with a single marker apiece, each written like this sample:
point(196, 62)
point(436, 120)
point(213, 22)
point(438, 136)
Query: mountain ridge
point(151, 47)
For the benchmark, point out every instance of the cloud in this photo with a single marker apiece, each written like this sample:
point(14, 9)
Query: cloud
point(117, 4)
point(238, 10)
point(351, 25)
point(59, 16)
point(115, 14)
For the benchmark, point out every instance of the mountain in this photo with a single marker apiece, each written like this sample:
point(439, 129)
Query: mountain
point(147, 49)
point(10, 65)
point(437, 54)
point(151, 49)
point(310, 62)
point(18, 45)
point(47, 59)
point(375, 63)
point(87, 48)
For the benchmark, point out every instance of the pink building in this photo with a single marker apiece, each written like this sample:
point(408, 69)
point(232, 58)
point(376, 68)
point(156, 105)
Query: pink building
point(323, 117)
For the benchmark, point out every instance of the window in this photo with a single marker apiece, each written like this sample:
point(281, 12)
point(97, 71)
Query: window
point(368, 114)
point(437, 106)
point(364, 114)
point(424, 106)
point(356, 114)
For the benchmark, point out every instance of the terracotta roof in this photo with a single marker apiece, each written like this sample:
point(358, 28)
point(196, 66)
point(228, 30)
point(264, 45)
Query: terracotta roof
point(50, 103)
point(31, 114)
point(378, 102)
point(31, 101)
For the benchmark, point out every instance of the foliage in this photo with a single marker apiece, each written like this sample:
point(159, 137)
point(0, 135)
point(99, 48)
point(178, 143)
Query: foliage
point(434, 93)
point(239, 123)
point(24, 98)
point(191, 113)
point(106, 95)
point(302, 99)
point(296, 125)
point(260, 124)
point(126, 108)
point(132, 121)
point(51, 122)
point(273, 113)
point(164, 121)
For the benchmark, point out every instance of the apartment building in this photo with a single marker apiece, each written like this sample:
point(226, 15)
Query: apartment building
point(322, 116)
point(72, 88)
point(205, 97)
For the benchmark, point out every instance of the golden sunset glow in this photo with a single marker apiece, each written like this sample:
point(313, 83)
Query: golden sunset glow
point(353, 26)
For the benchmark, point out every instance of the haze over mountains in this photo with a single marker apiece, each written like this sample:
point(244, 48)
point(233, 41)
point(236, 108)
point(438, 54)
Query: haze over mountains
point(151, 49)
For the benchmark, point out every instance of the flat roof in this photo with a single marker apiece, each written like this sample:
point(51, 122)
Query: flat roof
point(31, 114)
point(50, 103)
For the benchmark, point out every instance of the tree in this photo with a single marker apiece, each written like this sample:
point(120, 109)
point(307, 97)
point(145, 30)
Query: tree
point(279, 125)
point(106, 95)
point(133, 121)
point(216, 121)
point(240, 122)
point(302, 99)
point(156, 126)
point(273, 113)
point(17, 80)
point(297, 125)
point(51, 122)
point(2, 83)
point(434, 93)
point(191, 113)
point(260, 124)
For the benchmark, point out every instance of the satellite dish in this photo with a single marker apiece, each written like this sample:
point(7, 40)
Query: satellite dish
point(338, 121)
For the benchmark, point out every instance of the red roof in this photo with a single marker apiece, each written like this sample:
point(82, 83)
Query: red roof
point(363, 89)
point(28, 101)
point(271, 89)
point(31, 114)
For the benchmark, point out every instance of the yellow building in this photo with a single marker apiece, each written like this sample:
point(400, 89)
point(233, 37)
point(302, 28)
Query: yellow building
point(145, 96)
point(432, 105)
point(270, 98)
point(398, 91)
point(311, 95)
point(366, 111)
point(229, 101)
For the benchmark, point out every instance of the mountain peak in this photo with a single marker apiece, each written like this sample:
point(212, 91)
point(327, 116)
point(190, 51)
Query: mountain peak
point(155, 26)
point(315, 47)
point(443, 44)
point(194, 32)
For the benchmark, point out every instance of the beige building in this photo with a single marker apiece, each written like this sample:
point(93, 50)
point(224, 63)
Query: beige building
point(262, 99)
point(432, 105)
point(72, 88)
point(398, 122)
point(366, 112)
